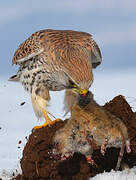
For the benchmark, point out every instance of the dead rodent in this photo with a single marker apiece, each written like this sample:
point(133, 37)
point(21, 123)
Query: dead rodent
point(91, 122)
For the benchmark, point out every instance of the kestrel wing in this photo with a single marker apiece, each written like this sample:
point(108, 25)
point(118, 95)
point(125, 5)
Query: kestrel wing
point(28, 49)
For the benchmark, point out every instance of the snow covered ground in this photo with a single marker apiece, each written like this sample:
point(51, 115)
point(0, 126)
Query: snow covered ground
point(117, 175)
point(16, 121)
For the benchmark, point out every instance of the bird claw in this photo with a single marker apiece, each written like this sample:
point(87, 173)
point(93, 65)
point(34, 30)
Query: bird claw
point(48, 120)
point(46, 124)
point(41, 126)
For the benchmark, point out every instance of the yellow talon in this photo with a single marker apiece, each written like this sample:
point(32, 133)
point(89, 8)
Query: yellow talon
point(38, 127)
point(48, 120)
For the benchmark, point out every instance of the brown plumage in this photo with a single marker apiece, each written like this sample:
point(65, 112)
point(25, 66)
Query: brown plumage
point(55, 60)
point(90, 122)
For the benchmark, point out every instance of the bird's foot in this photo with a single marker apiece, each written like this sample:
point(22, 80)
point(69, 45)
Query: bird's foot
point(41, 126)
point(48, 120)
point(54, 121)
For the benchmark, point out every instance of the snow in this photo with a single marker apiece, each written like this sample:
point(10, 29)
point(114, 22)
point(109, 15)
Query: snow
point(17, 121)
point(129, 174)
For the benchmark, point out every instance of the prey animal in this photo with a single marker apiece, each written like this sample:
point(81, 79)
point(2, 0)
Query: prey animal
point(91, 122)
point(54, 60)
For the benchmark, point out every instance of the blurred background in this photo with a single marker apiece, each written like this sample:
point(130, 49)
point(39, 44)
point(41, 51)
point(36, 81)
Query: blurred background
point(113, 26)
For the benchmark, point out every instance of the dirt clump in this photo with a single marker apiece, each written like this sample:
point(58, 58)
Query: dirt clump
point(119, 107)
point(38, 163)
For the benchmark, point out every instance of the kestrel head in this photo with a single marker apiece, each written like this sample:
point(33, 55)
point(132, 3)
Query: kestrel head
point(79, 71)
point(81, 88)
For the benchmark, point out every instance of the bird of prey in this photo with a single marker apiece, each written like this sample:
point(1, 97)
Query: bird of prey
point(54, 60)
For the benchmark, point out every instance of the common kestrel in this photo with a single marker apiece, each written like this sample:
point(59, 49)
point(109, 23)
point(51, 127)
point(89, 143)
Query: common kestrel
point(53, 60)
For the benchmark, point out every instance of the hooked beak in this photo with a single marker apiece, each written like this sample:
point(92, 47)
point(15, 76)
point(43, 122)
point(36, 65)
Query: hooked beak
point(82, 92)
